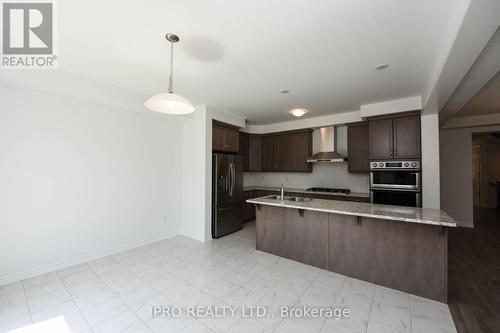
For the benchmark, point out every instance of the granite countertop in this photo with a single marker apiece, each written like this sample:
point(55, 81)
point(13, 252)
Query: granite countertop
point(386, 212)
point(301, 190)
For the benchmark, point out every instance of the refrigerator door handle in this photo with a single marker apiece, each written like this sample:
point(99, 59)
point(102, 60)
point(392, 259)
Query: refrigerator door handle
point(233, 176)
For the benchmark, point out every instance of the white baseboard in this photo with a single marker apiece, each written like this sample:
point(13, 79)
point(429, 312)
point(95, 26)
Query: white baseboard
point(80, 259)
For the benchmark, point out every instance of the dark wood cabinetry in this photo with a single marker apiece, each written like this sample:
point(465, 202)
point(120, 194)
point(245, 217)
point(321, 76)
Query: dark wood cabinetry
point(358, 151)
point(287, 152)
point(395, 138)
point(254, 152)
point(407, 137)
point(225, 138)
point(243, 150)
point(270, 153)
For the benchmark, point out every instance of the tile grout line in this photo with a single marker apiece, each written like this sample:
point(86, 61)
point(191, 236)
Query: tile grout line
point(72, 297)
point(336, 298)
point(26, 300)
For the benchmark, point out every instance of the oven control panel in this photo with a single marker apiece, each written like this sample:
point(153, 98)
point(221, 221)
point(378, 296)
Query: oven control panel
point(415, 165)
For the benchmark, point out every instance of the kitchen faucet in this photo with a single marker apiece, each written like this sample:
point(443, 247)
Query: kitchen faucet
point(282, 193)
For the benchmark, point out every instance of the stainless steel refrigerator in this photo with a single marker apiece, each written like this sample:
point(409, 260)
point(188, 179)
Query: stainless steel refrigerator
point(227, 194)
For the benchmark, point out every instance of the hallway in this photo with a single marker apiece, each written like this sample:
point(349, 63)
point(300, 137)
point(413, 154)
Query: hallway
point(474, 274)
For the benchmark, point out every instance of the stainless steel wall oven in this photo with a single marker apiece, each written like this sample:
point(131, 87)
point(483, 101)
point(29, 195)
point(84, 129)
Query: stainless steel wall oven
point(396, 183)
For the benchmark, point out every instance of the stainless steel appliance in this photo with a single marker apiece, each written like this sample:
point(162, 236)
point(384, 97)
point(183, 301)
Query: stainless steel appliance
point(396, 183)
point(227, 194)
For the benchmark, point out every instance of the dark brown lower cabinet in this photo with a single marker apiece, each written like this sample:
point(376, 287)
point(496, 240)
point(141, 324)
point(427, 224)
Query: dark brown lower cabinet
point(287, 234)
point(405, 256)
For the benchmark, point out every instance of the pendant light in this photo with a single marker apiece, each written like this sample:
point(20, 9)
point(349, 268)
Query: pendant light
point(169, 102)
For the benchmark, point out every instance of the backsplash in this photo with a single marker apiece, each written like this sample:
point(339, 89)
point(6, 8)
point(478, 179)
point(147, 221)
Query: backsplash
point(323, 175)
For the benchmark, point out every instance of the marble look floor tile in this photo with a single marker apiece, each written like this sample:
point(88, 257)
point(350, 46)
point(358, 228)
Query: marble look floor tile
point(93, 298)
point(375, 327)
point(137, 294)
point(44, 278)
point(103, 311)
point(196, 327)
point(50, 299)
point(125, 322)
point(249, 325)
point(68, 311)
point(389, 315)
point(299, 325)
point(144, 310)
point(426, 325)
point(12, 307)
point(43, 288)
point(181, 292)
point(72, 270)
point(242, 297)
point(167, 325)
point(15, 324)
point(85, 287)
point(227, 271)
point(427, 308)
point(392, 297)
point(260, 286)
point(318, 295)
point(220, 289)
point(11, 288)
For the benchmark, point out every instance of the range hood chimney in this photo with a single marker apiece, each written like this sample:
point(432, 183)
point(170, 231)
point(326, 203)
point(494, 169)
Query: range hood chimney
point(327, 147)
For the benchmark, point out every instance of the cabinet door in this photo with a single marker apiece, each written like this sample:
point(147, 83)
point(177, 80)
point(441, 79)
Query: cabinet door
point(249, 209)
point(232, 139)
point(302, 149)
point(270, 153)
point(407, 137)
point(381, 143)
point(358, 148)
point(285, 152)
point(255, 153)
point(218, 138)
point(243, 150)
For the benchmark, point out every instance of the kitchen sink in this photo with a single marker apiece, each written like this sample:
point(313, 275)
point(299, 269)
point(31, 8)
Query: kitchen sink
point(287, 198)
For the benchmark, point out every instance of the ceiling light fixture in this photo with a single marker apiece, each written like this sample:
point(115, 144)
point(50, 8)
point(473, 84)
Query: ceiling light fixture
point(381, 67)
point(169, 102)
point(298, 112)
point(286, 91)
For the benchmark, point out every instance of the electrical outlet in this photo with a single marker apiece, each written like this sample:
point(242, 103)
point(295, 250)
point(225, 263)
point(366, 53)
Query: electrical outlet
point(165, 219)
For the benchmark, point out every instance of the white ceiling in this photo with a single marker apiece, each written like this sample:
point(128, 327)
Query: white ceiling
point(238, 55)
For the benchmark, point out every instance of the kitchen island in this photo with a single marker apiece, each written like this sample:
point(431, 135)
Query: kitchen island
point(403, 248)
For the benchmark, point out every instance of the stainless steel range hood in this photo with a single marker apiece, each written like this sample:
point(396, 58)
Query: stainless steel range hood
point(327, 147)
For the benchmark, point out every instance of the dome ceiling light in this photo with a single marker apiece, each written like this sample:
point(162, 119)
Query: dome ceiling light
point(169, 102)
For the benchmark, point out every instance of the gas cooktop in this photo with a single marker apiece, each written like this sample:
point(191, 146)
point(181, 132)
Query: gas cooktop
point(329, 190)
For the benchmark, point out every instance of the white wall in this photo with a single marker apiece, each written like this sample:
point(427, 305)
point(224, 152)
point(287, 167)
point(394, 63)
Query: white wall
point(80, 180)
point(456, 172)
point(323, 175)
point(196, 177)
point(430, 161)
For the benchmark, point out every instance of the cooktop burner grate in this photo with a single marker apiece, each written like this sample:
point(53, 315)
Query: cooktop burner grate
point(329, 190)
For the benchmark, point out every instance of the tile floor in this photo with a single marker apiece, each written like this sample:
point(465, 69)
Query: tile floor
point(116, 293)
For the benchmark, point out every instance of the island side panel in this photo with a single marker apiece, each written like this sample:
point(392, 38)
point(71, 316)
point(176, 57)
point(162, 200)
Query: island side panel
point(284, 232)
point(409, 257)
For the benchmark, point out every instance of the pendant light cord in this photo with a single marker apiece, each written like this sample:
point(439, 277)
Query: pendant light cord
point(171, 79)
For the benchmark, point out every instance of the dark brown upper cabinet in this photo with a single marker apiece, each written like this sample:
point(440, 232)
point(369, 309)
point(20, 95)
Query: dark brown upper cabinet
point(254, 152)
point(270, 153)
point(395, 138)
point(302, 149)
point(243, 149)
point(287, 152)
point(407, 137)
point(358, 151)
point(225, 138)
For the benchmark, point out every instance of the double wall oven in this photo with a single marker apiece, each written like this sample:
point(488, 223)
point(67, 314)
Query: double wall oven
point(396, 183)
